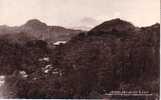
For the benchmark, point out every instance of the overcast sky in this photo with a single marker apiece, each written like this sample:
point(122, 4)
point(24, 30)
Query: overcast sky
point(79, 13)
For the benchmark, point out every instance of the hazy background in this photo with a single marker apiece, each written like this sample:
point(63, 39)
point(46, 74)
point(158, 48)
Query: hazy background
point(79, 13)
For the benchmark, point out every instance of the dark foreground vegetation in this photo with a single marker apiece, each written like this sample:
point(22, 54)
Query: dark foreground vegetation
point(114, 56)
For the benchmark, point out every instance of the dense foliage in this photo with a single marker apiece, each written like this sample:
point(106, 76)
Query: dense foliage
point(113, 56)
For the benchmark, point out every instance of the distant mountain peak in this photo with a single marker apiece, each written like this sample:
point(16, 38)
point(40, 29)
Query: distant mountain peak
point(116, 21)
point(114, 25)
point(35, 23)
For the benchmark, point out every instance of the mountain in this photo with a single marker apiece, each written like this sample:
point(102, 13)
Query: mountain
point(35, 24)
point(115, 55)
point(114, 26)
point(38, 30)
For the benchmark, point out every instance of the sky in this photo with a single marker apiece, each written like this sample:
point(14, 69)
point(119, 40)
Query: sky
point(79, 13)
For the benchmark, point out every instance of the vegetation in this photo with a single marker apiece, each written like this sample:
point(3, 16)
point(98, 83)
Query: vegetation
point(88, 66)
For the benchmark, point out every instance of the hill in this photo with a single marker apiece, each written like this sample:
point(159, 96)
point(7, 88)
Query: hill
point(115, 55)
point(35, 29)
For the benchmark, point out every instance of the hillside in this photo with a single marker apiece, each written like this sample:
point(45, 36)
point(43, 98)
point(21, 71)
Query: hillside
point(115, 55)
point(36, 29)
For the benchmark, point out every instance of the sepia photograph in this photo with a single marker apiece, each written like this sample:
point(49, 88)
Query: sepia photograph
point(80, 49)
